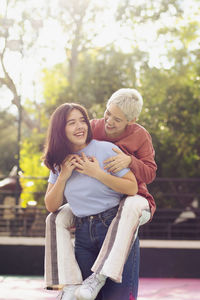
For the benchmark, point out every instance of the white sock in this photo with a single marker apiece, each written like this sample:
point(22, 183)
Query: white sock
point(101, 277)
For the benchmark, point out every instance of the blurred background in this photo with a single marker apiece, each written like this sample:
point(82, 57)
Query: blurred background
point(56, 51)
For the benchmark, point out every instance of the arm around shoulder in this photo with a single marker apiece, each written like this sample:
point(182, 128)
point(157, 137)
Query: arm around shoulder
point(124, 185)
point(143, 164)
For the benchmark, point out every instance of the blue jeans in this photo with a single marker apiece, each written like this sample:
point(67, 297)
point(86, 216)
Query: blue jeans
point(89, 237)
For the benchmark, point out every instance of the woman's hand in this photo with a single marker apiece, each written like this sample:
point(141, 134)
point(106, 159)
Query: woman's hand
point(67, 167)
point(117, 163)
point(90, 166)
point(87, 166)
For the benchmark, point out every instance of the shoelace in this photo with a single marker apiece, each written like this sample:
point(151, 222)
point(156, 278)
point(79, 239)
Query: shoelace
point(92, 282)
point(59, 296)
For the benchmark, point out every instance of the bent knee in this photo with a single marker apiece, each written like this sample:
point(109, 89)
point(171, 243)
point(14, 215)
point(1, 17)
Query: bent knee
point(65, 217)
point(136, 204)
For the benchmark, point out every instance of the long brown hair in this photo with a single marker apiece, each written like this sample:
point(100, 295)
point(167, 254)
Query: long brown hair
point(57, 146)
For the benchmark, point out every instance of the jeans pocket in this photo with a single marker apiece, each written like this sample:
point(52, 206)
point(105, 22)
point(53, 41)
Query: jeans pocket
point(108, 216)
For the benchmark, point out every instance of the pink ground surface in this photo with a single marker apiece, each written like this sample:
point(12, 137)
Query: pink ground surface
point(169, 288)
point(32, 288)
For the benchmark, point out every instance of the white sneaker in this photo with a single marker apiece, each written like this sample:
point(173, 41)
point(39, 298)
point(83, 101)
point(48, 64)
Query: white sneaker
point(68, 292)
point(90, 287)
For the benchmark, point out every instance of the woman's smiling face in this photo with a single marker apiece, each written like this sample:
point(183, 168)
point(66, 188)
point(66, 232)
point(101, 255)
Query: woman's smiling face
point(76, 130)
point(115, 121)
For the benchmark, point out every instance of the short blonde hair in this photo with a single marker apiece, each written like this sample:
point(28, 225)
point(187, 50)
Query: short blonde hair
point(129, 101)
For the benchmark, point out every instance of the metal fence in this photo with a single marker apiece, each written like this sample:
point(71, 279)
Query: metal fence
point(181, 223)
point(173, 224)
point(26, 222)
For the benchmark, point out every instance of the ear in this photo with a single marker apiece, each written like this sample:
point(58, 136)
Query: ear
point(132, 121)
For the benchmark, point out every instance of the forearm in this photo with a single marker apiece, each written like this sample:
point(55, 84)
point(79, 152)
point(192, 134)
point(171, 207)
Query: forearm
point(54, 196)
point(121, 185)
point(142, 155)
point(144, 171)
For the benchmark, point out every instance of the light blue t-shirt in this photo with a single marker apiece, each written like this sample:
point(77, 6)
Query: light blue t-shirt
point(86, 195)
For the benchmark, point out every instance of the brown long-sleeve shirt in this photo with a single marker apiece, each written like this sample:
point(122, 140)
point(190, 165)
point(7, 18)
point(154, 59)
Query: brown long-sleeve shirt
point(137, 142)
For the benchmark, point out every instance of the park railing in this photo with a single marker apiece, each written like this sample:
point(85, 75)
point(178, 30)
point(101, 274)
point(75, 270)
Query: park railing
point(181, 223)
point(167, 224)
point(173, 224)
point(27, 222)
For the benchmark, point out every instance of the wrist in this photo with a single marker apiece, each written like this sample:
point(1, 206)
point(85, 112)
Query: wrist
point(99, 174)
point(62, 178)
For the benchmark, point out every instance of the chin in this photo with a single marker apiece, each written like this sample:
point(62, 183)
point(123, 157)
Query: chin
point(110, 133)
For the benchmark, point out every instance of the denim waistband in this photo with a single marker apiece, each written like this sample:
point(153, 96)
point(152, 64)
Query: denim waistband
point(98, 216)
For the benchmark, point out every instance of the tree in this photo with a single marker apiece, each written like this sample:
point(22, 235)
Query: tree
point(8, 142)
point(107, 70)
point(77, 18)
point(15, 37)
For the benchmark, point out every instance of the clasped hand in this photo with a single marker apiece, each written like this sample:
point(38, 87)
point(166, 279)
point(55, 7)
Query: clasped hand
point(85, 165)
point(82, 164)
point(68, 166)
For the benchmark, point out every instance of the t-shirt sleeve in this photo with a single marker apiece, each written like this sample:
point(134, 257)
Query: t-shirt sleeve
point(52, 177)
point(122, 172)
point(110, 153)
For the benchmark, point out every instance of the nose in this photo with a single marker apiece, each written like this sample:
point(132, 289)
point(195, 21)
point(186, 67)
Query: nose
point(79, 125)
point(109, 120)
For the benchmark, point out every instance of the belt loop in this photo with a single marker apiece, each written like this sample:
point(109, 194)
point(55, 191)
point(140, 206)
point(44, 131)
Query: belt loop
point(78, 220)
point(100, 217)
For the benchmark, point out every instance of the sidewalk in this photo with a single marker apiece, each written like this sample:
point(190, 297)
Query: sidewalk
point(32, 288)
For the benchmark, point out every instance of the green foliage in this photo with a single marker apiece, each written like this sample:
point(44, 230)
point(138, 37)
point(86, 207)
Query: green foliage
point(8, 142)
point(172, 115)
point(32, 181)
point(54, 84)
point(98, 75)
point(145, 11)
point(106, 71)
